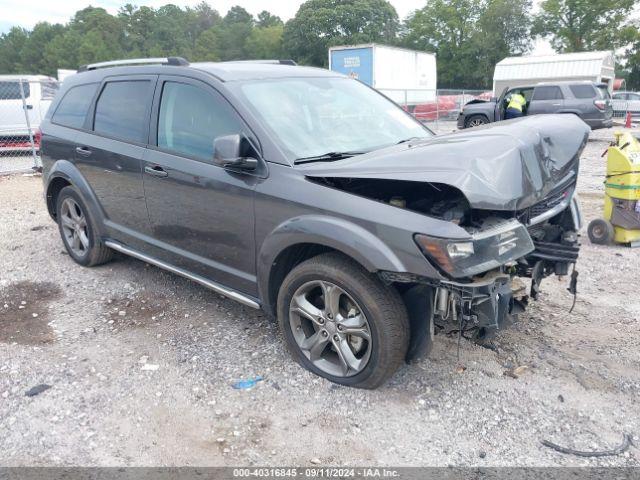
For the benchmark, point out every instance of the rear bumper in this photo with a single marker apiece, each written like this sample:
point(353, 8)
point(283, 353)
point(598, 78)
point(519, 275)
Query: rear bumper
point(599, 123)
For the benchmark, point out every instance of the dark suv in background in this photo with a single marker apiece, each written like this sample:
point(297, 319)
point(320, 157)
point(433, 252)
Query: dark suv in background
point(311, 196)
point(589, 101)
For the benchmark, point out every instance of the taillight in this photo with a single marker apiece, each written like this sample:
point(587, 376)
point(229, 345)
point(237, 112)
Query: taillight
point(600, 104)
point(37, 136)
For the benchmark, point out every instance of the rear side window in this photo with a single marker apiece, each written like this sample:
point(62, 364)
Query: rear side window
point(191, 118)
point(73, 107)
point(121, 110)
point(547, 93)
point(583, 91)
point(11, 90)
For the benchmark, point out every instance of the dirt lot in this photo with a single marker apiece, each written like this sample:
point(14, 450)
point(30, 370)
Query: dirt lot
point(141, 362)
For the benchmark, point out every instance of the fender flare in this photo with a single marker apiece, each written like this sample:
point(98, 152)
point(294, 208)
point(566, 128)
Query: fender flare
point(68, 171)
point(337, 233)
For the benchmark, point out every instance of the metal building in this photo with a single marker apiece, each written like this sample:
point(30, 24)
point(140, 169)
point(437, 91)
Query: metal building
point(521, 71)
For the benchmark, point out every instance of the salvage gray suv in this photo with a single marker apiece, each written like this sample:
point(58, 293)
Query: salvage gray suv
point(587, 100)
point(311, 196)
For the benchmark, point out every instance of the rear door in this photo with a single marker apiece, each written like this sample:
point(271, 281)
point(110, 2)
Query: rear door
point(201, 214)
point(109, 153)
point(546, 99)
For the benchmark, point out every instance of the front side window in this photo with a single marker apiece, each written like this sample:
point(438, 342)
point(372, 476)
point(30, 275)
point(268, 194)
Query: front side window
point(314, 116)
point(73, 107)
point(547, 93)
point(121, 110)
point(11, 90)
point(191, 118)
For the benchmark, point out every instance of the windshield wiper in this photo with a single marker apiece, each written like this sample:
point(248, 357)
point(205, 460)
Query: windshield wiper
point(408, 140)
point(327, 157)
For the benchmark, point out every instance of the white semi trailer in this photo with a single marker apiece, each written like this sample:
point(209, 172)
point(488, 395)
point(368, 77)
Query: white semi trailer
point(406, 76)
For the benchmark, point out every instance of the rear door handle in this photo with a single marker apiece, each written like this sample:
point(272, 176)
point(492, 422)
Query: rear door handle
point(156, 171)
point(84, 151)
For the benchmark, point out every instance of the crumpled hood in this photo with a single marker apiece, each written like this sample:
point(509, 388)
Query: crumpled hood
point(504, 166)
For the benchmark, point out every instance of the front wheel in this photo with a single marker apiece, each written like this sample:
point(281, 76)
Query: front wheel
point(342, 323)
point(476, 121)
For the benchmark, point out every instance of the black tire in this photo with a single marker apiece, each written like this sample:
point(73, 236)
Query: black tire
point(601, 232)
point(475, 121)
point(96, 253)
point(384, 310)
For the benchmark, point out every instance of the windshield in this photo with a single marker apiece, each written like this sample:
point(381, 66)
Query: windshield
point(314, 116)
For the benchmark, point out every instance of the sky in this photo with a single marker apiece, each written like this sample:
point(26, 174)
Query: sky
point(27, 13)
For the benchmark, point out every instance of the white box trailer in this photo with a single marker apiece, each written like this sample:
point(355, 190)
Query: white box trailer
point(401, 74)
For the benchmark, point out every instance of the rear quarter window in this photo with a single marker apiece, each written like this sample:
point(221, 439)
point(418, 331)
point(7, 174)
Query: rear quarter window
point(73, 108)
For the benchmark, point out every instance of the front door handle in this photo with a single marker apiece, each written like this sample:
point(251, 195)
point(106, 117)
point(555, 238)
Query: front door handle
point(84, 151)
point(156, 171)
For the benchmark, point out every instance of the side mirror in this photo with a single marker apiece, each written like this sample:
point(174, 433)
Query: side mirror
point(227, 153)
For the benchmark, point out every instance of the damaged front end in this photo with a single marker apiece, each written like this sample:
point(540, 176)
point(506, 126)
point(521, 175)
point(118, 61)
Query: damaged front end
point(511, 188)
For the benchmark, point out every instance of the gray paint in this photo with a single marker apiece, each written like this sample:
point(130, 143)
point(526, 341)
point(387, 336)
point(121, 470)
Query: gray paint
point(582, 107)
point(229, 227)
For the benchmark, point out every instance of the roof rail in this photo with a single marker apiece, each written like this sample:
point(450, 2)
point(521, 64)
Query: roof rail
point(175, 61)
point(272, 62)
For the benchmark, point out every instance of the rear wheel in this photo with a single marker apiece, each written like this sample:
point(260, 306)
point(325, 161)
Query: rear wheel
point(78, 231)
point(476, 121)
point(601, 231)
point(342, 323)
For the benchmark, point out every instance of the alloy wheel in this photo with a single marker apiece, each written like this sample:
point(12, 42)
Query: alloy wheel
point(330, 328)
point(74, 227)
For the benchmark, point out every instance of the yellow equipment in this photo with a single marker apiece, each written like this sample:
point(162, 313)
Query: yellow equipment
point(621, 222)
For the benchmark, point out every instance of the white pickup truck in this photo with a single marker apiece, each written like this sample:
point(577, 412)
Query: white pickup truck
point(19, 94)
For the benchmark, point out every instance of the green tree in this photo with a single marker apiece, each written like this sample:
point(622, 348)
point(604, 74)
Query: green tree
point(266, 19)
point(233, 32)
point(207, 47)
point(320, 24)
point(11, 45)
point(265, 42)
point(582, 25)
point(469, 37)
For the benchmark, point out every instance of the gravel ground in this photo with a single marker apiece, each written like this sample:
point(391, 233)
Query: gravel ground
point(141, 362)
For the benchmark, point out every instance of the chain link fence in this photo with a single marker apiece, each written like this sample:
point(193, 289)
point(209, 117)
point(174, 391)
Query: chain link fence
point(623, 102)
point(438, 109)
point(23, 104)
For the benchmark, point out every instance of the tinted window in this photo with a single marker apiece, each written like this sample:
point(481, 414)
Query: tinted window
point(619, 96)
point(11, 90)
point(547, 93)
point(74, 106)
point(121, 111)
point(583, 91)
point(633, 96)
point(191, 118)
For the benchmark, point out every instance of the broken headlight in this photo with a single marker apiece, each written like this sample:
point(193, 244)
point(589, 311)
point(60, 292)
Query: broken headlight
point(485, 250)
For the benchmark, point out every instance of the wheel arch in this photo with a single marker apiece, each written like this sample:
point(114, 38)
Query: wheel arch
point(302, 238)
point(63, 174)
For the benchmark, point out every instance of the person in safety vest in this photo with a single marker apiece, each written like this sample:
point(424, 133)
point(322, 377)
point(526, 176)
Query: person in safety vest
point(516, 103)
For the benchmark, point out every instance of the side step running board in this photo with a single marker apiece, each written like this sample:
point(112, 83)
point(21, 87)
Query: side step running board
point(184, 273)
